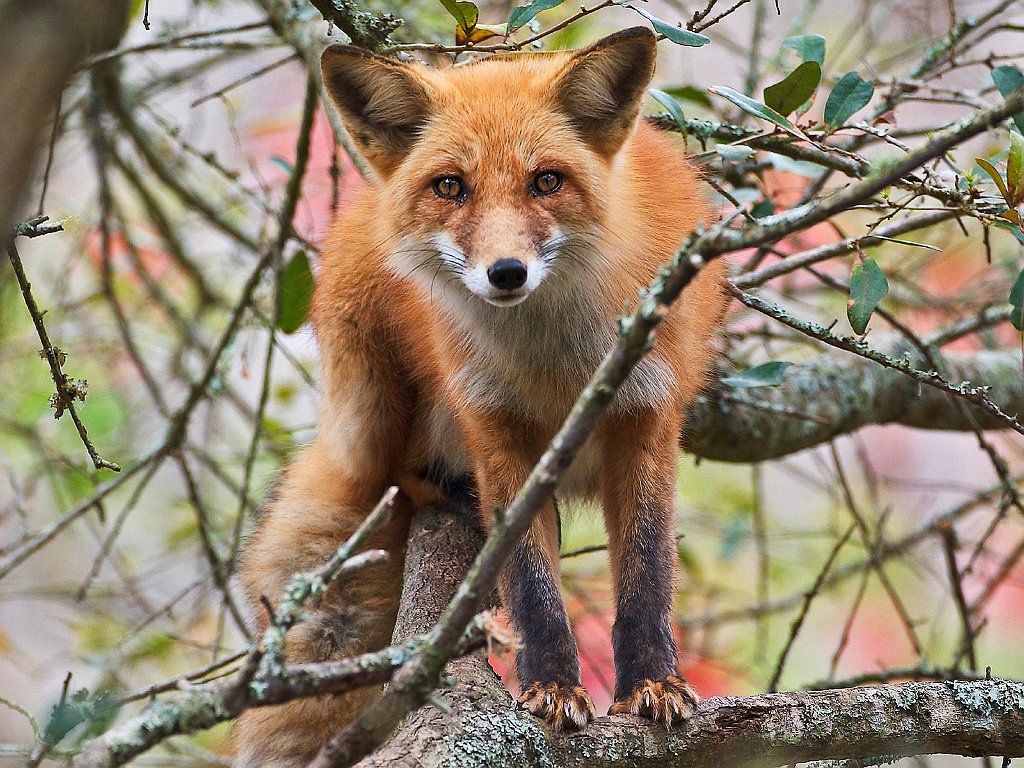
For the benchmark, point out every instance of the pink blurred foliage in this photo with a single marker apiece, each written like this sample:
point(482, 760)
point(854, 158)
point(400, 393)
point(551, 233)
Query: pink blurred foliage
point(711, 677)
point(877, 641)
point(156, 261)
point(946, 277)
point(594, 640)
point(1005, 605)
point(271, 136)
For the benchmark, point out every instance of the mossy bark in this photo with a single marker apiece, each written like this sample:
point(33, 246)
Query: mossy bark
point(473, 720)
point(838, 393)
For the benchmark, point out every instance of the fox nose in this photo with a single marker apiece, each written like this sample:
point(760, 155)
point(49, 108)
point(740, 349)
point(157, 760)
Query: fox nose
point(507, 274)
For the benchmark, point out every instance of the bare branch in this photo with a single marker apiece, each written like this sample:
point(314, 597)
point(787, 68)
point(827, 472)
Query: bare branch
point(67, 391)
point(836, 394)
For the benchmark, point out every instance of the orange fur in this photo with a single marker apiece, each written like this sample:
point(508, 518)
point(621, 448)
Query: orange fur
point(420, 367)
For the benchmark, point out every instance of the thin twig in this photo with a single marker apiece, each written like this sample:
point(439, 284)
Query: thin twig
point(66, 389)
point(812, 593)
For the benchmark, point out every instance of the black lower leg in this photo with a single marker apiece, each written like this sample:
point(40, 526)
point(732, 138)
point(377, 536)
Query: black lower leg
point(642, 638)
point(534, 603)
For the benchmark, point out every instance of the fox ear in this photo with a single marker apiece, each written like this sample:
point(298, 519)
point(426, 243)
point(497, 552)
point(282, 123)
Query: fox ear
point(603, 85)
point(382, 102)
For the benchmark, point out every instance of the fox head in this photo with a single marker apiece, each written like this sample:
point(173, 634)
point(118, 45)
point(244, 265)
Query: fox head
point(494, 176)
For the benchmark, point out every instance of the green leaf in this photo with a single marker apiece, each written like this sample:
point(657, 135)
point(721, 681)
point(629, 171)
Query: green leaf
point(1017, 301)
point(996, 177)
point(64, 718)
point(798, 86)
point(733, 535)
point(850, 94)
point(294, 292)
point(1015, 170)
point(524, 13)
point(808, 47)
point(281, 163)
point(479, 33)
point(868, 286)
point(757, 109)
point(1008, 79)
point(735, 152)
point(1011, 228)
point(464, 13)
point(671, 105)
point(79, 707)
point(689, 93)
point(764, 208)
point(765, 375)
point(675, 34)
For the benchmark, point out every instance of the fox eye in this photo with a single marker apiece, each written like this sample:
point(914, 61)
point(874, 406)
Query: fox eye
point(448, 187)
point(546, 182)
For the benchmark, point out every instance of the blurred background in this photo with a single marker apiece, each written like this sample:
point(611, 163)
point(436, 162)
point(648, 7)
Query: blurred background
point(167, 167)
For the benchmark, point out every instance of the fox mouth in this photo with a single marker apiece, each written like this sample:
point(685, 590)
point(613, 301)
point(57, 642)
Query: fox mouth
point(480, 285)
point(503, 282)
point(505, 298)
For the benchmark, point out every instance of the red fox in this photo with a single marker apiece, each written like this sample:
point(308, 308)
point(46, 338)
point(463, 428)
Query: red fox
point(463, 302)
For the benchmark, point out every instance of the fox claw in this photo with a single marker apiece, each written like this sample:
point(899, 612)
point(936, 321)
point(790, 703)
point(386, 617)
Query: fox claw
point(563, 707)
point(669, 700)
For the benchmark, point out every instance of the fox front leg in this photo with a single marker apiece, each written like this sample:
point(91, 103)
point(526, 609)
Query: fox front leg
point(639, 486)
point(547, 665)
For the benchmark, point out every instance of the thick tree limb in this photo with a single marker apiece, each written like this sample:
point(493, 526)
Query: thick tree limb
point(837, 393)
point(965, 718)
point(977, 395)
point(364, 29)
point(41, 45)
point(483, 728)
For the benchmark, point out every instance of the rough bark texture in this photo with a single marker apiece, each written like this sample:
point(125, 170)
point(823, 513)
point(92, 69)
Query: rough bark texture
point(442, 545)
point(41, 46)
point(837, 393)
point(483, 727)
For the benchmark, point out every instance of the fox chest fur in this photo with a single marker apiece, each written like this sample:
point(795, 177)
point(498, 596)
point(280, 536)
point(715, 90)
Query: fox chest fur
point(531, 360)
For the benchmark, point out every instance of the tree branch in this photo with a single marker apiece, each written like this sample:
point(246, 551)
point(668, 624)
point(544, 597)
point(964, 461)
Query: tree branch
point(67, 391)
point(977, 395)
point(367, 30)
point(837, 393)
point(483, 727)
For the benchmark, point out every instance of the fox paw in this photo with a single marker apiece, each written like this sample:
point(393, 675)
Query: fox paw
point(563, 707)
point(669, 700)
